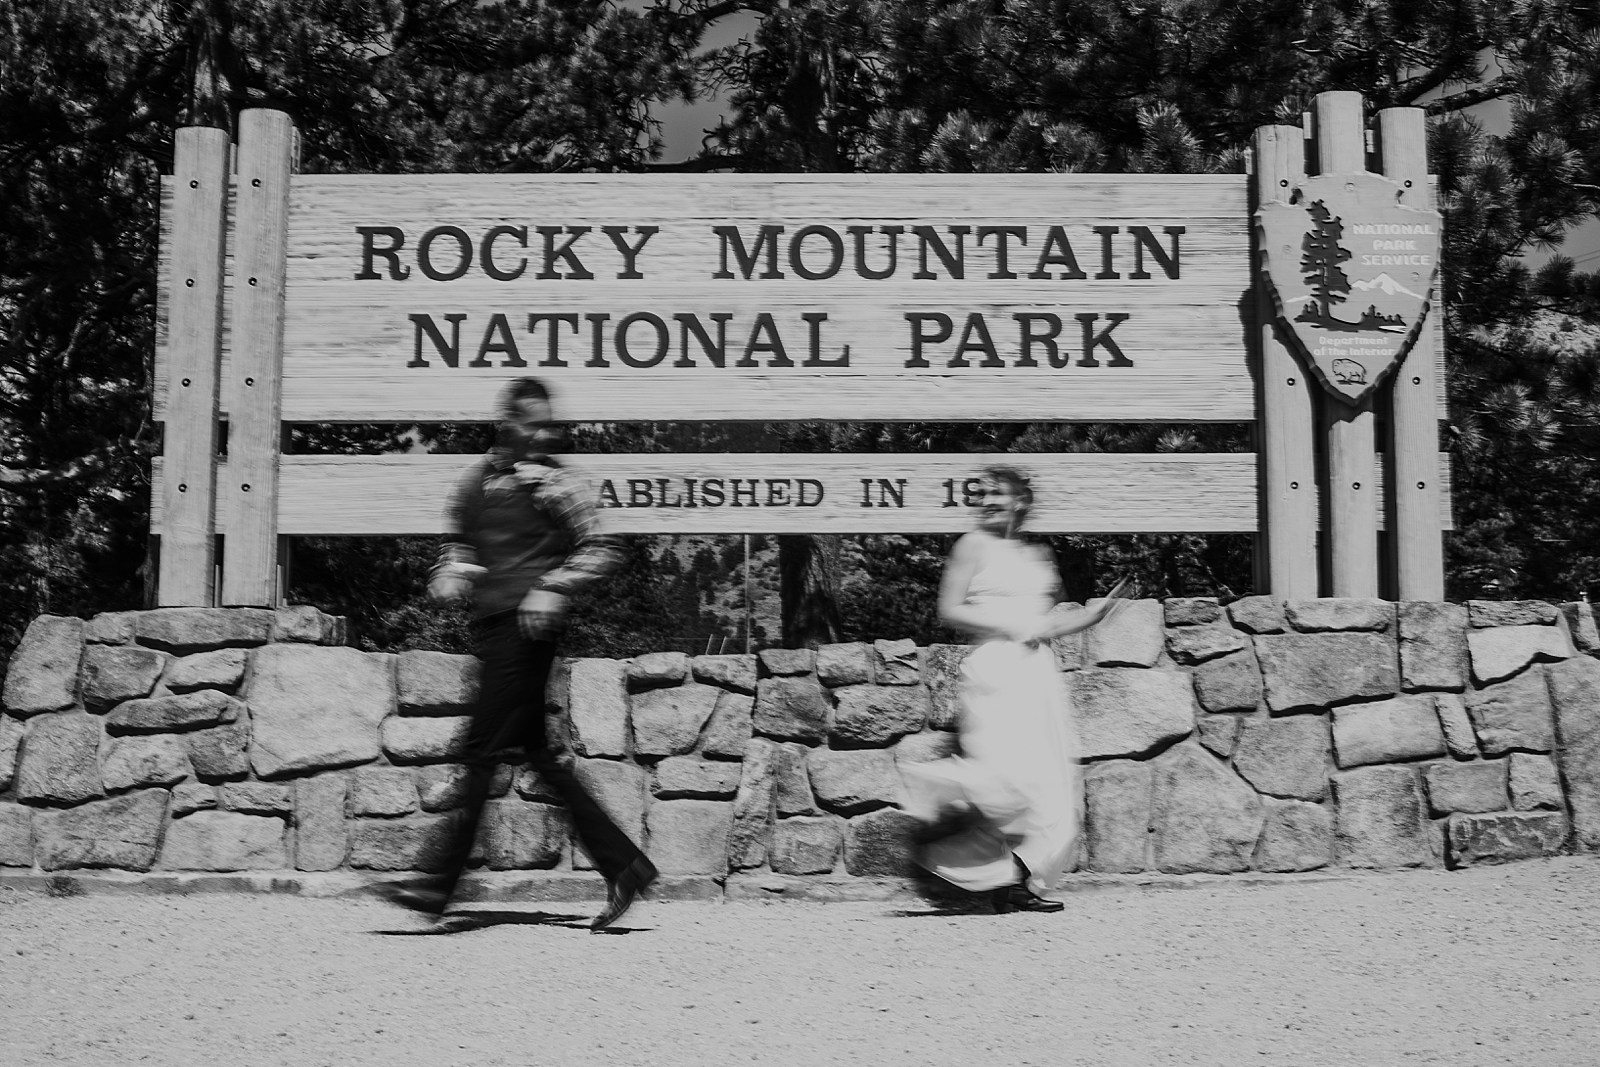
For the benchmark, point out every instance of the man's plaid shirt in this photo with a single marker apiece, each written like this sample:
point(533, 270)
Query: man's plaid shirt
point(529, 524)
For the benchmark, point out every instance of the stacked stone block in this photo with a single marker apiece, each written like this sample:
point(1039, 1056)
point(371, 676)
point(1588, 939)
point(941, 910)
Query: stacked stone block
point(1358, 733)
point(127, 742)
point(1258, 735)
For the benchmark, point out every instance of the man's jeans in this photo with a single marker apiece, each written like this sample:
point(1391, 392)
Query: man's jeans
point(510, 712)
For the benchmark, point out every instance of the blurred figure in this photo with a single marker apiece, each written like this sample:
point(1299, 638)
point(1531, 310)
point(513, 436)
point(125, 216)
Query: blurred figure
point(521, 540)
point(1004, 815)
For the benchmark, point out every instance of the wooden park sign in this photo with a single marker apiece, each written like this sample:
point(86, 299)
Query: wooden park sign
point(290, 298)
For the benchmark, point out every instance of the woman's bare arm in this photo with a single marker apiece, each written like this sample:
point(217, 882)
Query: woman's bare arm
point(1092, 614)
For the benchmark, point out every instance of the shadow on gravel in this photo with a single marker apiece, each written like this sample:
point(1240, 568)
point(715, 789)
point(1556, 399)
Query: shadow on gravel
point(937, 898)
point(465, 922)
point(935, 913)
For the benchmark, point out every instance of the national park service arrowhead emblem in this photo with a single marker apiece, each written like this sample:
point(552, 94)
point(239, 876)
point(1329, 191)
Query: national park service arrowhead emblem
point(1352, 272)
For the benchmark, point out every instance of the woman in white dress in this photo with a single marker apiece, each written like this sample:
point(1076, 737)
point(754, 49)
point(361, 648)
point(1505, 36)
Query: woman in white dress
point(1010, 803)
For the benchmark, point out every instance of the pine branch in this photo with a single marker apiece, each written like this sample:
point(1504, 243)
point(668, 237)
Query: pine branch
point(18, 479)
point(1438, 74)
point(702, 164)
point(1496, 89)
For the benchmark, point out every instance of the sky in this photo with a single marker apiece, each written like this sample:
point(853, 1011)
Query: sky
point(1583, 242)
point(683, 125)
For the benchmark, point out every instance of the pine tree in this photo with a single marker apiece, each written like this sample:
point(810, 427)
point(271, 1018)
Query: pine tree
point(1320, 265)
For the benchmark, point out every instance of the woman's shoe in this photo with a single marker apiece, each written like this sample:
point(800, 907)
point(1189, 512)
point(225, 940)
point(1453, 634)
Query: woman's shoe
point(1009, 898)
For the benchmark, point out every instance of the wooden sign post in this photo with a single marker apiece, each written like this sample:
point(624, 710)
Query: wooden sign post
point(192, 287)
point(254, 381)
point(1352, 528)
point(1111, 298)
point(1350, 262)
point(1416, 400)
point(1288, 450)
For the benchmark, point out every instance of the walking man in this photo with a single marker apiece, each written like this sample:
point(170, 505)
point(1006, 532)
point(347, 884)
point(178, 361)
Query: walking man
point(520, 542)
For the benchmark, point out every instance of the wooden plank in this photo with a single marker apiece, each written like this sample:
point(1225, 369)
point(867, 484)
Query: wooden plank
point(1075, 493)
point(1439, 373)
point(353, 352)
point(250, 493)
point(191, 281)
point(1379, 486)
point(1288, 454)
point(1340, 130)
point(1352, 500)
point(165, 228)
point(1418, 544)
point(399, 495)
point(1436, 333)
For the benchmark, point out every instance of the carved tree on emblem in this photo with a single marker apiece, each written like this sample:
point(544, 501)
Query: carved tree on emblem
point(1320, 266)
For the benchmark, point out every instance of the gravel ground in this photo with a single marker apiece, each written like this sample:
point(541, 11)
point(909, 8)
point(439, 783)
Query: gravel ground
point(1487, 966)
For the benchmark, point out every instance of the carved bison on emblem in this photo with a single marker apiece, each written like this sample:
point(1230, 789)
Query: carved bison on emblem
point(1349, 372)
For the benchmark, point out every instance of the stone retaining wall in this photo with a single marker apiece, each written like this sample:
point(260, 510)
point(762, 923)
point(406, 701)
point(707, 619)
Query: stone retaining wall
point(1259, 736)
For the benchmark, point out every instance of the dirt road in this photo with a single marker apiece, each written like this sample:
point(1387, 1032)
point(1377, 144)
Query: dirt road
point(1489, 966)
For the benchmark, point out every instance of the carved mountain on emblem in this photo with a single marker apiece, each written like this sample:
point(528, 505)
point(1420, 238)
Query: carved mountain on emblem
point(1387, 284)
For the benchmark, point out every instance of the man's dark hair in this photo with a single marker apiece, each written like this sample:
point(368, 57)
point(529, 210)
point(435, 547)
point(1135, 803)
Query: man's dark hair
point(520, 390)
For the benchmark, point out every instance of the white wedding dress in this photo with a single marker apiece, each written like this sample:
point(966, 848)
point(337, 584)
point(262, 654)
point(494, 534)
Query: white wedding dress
point(1018, 768)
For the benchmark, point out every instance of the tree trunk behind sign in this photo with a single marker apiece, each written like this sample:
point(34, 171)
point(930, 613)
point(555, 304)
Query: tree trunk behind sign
point(808, 568)
point(212, 68)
